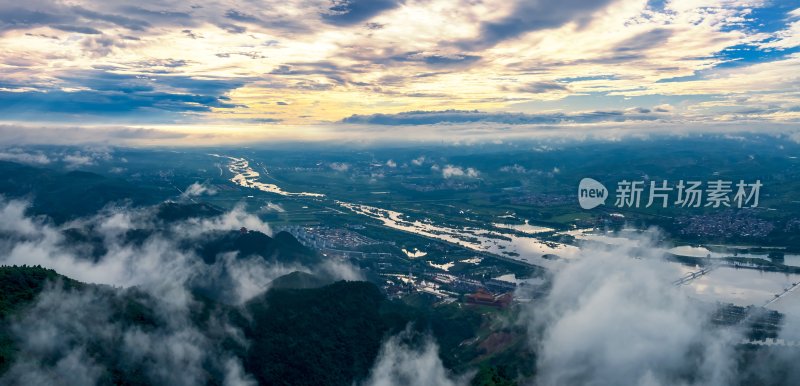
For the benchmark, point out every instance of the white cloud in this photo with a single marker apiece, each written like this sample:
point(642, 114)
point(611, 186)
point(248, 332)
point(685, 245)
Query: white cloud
point(78, 160)
point(197, 189)
point(451, 171)
point(14, 221)
point(236, 376)
point(272, 207)
point(54, 336)
point(74, 367)
point(400, 363)
point(236, 218)
point(158, 262)
point(17, 155)
point(611, 318)
point(63, 333)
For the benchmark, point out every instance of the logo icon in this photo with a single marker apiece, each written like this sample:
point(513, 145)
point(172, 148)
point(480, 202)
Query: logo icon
point(591, 193)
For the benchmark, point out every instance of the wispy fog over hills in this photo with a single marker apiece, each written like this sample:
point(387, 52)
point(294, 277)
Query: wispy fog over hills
point(468, 264)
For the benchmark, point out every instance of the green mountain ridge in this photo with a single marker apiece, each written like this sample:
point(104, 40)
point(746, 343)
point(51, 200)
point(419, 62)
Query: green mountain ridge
point(328, 335)
point(63, 196)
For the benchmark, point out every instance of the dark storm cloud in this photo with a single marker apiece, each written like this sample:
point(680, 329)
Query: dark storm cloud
point(461, 116)
point(533, 16)
point(349, 12)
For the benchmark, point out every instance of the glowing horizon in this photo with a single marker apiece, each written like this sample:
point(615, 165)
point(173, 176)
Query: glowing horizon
point(295, 69)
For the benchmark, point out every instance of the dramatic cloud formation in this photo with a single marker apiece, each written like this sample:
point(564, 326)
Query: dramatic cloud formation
point(314, 62)
point(156, 262)
point(65, 332)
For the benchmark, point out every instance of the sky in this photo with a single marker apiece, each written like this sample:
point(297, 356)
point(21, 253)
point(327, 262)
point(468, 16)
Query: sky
point(221, 71)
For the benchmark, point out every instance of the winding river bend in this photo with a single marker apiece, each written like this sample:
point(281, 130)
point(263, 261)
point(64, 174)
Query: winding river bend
point(503, 241)
point(518, 242)
point(245, 176)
